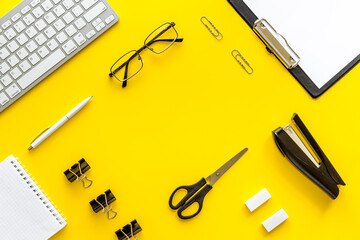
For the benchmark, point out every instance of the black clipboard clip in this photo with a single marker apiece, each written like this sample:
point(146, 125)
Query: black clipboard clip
point(316, 166)
point(77, 172)
point(129, 231)
point(102, 202)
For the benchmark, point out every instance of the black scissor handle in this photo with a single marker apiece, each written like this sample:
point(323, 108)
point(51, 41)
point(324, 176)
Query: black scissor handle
point(198, 198)
point(191, 190)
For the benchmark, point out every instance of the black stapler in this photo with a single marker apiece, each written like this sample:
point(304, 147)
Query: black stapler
point(320, 171)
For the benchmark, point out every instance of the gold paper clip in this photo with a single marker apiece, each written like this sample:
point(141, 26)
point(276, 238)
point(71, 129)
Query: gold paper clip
point(214, 31)
point(236, 54)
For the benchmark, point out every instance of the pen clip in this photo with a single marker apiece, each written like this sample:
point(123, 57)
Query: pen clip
point(39, 135)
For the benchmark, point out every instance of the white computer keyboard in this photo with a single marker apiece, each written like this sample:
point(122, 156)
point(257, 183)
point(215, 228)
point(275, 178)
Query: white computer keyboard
point(38, 36)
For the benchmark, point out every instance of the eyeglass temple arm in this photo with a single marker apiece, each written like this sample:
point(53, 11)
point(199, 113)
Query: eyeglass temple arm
point(140, 50)
point(125, 75)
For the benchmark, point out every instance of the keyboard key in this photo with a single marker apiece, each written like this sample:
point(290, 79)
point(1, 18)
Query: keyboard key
point(34, 3)
point(100, 26)
point(19, 26)
point(56, 1)
point(13, 46)
point(24, 66)
point(26, 9)
point(59, 25)
point(43, 52)
point(4, 53)
point(22, 39)
point(52, 44)
point(15, 73)
point(13, 90)
point(3, 99)
point(13, 60)
point(38, 12)
point(95, 12)
point(22, 53)
point(29, 19)
point(4, 67)
point(31, 46)
point(69, 47)
point(61, 37)
point(68, 4)
point(80, 23)
point(109, 19)
point(2, 40)
point(59, 10)
point(50, 17)
point(34, 59)
point(6, 24)
point(6, 80)
point(68, 18)
point(40, 39)
point(41, 69)
point(50, 32)
point(47, 5)
point(71, 30)
point(90, 34)
point(79, 39)
point(77, 11)
point(16, 17)
point(10, 34)
point(96, 22)
point(40, 25)
point(88, 3)
point(31, 32)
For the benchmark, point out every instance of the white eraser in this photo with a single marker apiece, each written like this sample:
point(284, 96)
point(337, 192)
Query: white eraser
point(257, 200)
point(275, 220)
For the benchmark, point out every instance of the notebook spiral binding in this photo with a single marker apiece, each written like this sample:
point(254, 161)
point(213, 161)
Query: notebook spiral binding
point(53, 209)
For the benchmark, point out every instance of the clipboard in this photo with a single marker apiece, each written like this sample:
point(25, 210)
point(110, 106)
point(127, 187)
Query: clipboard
point(295, 54)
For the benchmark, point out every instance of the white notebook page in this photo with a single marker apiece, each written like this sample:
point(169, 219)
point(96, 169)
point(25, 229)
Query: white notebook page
point(323, 33)
point(22, 214)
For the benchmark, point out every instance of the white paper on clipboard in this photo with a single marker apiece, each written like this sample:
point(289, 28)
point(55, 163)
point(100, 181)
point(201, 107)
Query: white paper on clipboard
point(323, 33)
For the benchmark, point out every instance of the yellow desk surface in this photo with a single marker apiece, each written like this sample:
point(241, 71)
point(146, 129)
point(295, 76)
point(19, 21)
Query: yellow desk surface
point(187, 112)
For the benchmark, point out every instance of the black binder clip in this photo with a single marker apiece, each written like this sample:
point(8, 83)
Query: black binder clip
point(129, 231)
point(77, 172)
point(316, 166)
point(103, 202)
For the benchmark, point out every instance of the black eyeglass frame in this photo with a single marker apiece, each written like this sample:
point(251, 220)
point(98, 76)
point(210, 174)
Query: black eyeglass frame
point(145, 46)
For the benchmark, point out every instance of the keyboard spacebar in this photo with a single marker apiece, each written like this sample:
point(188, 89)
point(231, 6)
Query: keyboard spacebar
point(39, 70)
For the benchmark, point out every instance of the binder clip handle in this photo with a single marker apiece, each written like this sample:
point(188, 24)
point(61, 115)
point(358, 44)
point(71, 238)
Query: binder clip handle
point(84, 179)
point(110, 211)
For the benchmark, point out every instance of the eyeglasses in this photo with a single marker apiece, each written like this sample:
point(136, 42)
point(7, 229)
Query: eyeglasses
point(131, 63)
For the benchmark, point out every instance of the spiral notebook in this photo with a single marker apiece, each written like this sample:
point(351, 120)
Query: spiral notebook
point(25, 212)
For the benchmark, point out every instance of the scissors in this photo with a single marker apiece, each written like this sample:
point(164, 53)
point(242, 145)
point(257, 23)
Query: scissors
point(197, 192)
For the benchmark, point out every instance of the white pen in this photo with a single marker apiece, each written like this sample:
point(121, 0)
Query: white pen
point(47, 132)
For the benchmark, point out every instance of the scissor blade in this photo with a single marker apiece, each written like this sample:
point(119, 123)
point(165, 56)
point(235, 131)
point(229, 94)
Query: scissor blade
point(216, 175)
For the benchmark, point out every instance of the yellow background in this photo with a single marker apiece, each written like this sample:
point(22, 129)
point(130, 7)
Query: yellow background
point(187, 112)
